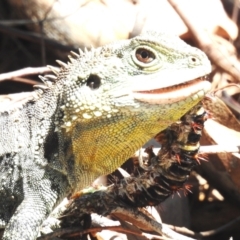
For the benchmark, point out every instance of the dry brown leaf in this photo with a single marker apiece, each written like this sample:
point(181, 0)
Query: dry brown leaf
point(223, 135)
point(221, 113)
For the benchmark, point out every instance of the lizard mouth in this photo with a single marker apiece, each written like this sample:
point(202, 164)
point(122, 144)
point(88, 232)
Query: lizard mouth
point(194, 88)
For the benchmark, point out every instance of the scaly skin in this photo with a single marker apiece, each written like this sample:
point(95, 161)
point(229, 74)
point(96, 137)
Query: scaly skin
point(104, 105)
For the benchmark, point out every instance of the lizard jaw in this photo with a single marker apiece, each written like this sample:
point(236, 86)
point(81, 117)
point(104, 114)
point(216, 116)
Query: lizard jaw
point(194, 88)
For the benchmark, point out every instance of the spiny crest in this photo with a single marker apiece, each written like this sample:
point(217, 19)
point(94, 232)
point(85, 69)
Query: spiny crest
point(107, 51)
point(51, 77)
point(73, 55)
point(55, 70)
point(40, 87)
point(62, 64)
point(87, 54)
point(81, 53)
point(48, 81)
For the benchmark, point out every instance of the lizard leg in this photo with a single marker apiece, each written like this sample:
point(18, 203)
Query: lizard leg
point(40, 196)
point(26, 221)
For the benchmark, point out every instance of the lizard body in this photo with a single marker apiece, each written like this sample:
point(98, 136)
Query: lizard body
point(103, 106)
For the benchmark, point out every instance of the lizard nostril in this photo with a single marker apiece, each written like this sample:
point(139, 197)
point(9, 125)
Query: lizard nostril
point(93, 81)
point(194, 61)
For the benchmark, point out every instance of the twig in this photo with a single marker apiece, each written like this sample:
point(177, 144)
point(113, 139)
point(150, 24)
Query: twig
point(212, 149)
point(24, 72)
point(230, 101)
point(202, 235)
point(206, 43)
point(221, 229)
point(235, 10)
point(25, 80)
point(74, 232)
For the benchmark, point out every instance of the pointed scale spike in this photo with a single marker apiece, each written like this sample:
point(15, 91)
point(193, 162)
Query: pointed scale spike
point(72, 60)
point(81, 53)
point(92, 49)
point(51, 77)
point(74, 55)
point(46, 80)
point(62, 64)
point(42, 87)
point(89, 53)
point(96, 52)
point(55, 70)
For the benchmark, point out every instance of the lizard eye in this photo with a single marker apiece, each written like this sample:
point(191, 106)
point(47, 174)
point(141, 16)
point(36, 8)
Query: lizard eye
point(146, 58)
point(93, 81)
point(144, 55)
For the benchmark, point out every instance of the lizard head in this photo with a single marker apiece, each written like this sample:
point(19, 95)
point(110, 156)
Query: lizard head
point(117, 97)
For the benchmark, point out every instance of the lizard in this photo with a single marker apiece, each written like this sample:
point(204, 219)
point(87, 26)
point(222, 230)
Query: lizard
point(88, 118)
